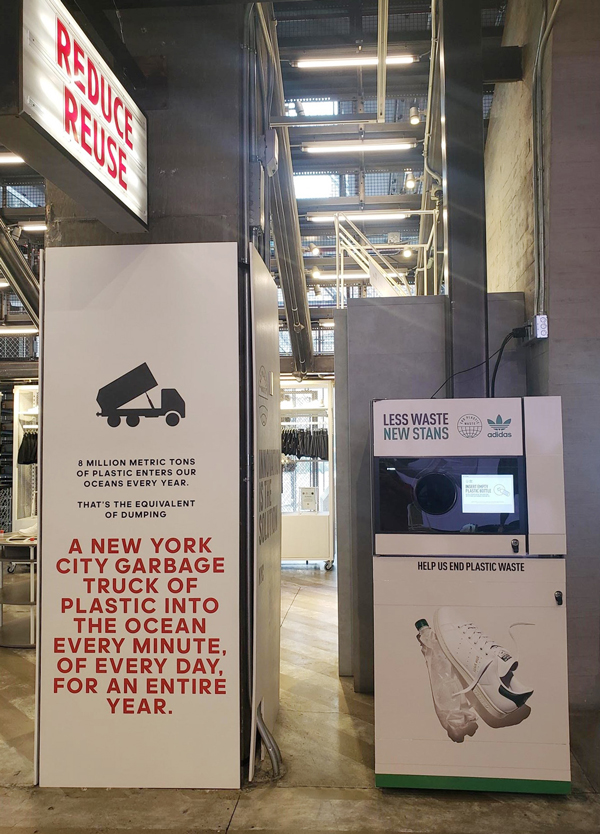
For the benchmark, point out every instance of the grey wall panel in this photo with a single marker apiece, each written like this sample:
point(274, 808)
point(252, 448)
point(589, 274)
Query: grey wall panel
point(396, 348)
point(342, 496)
point(391, 348)
point(506, 310)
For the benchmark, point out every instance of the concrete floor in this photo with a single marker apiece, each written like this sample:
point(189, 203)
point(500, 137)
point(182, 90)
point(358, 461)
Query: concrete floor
point(325, 732)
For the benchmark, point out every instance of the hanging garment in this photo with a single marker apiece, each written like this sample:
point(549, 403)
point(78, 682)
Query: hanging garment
point(28, 448)
point(305, 443)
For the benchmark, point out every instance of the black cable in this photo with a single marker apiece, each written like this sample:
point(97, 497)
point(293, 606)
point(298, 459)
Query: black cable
point(498, 360)
point(466, 370)
point(515, 333)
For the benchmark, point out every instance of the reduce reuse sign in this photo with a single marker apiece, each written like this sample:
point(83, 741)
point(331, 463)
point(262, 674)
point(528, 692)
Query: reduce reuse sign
point(139, 557)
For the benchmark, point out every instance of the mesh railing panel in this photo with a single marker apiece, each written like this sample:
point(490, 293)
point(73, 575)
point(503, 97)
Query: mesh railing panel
point(5, 508)
point(306, 28)
point(23, 194)
point(400, 22)
point(14, 347)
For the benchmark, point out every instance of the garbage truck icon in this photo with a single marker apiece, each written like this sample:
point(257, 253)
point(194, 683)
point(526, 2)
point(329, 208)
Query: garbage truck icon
point(113, 399)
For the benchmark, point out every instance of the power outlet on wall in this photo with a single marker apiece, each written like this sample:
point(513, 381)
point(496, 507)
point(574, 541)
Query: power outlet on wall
point(537, 329)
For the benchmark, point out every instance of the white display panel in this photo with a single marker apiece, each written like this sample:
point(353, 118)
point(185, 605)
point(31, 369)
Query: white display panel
point(72, 94)
point(139, 651)
point(427, 428)
point(267, 498)
point(508, 609)
point(488, 493)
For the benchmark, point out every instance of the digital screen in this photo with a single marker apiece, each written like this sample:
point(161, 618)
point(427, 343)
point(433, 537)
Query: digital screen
point(484, 495)
point(488, 494)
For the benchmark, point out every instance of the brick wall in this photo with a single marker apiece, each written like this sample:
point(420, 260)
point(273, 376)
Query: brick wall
point(509, 160)
point(567, 365)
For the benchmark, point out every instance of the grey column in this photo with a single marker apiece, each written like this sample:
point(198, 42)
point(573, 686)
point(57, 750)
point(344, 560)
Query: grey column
point(464, 192)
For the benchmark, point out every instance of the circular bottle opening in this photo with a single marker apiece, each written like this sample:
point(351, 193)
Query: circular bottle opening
point(435, 493)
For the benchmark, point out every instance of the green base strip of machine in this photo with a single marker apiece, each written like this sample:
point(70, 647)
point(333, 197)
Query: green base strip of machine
point(471, 783)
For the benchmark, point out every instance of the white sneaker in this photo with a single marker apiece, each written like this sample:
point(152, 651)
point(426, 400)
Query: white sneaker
point(485, 666)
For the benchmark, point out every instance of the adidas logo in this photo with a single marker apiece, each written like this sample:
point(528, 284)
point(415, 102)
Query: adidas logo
point(498, 427)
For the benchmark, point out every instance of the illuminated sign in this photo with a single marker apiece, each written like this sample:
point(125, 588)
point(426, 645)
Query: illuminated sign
point(77, 105)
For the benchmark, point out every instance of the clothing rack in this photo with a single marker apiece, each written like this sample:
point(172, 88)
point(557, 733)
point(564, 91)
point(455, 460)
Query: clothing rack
point(305, 442)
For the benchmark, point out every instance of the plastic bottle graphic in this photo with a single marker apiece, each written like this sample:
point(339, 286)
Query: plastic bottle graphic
point(455, 714)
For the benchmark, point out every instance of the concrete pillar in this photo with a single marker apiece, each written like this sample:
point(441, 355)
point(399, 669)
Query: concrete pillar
point(195, 149)
point(464, 189)
point(573, 361)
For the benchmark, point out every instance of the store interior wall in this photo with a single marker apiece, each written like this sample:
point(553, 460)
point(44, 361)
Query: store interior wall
point(194, 136)
point(407, 360)
point(572, 134)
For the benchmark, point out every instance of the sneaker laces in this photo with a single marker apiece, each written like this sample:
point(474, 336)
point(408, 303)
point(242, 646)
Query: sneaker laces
point(488, 643)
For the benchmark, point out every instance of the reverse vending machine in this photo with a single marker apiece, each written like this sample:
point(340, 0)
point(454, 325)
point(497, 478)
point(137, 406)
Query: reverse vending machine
point(469, 594)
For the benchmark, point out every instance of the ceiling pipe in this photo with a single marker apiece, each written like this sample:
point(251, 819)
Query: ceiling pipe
point(286, 223)
point(430, 176)
point(539, 197)
point(19, 274)
point(383, 8)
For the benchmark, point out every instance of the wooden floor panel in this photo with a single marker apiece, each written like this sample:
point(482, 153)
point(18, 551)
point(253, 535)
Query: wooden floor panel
point(324, 729)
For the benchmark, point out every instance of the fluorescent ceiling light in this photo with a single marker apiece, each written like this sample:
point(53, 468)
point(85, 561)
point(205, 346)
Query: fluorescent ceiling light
point(3, 284)
point(10, 159)
point(327, 323)
point(360, 146)
point(18, 331)
point(350, 61)
point(33, 227)
point(369, 216)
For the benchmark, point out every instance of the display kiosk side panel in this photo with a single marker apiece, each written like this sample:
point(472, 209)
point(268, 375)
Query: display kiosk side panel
point(471, 674)
point(545, 475)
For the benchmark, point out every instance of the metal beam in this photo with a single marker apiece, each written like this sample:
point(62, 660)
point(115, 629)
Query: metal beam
point(418, 39)
point(322, 121)
point(383, 7)
point(389, 130)
point(385, 202)
point(322, 365)
point(410, 160)
point(19, 274)
point(464, 194)
point(19, 370)
point(17, 215)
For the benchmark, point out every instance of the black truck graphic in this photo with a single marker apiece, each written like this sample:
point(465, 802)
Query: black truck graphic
point(114, 396)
